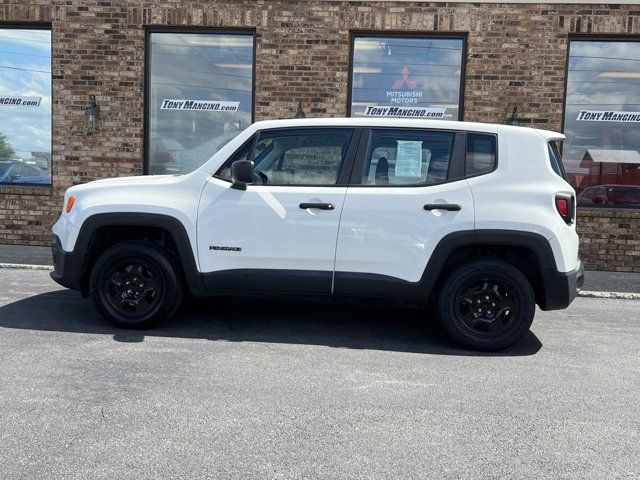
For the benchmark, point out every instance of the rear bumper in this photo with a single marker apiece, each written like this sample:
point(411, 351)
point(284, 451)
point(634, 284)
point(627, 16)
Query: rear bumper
point(560, 289)
point(67, 267)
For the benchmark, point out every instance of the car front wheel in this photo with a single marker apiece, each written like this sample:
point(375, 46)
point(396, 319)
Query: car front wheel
point(136, 284)
point(486, 305)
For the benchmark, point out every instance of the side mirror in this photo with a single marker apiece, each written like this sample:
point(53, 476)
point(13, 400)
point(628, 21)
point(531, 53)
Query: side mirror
point(241, 174)
point(15, 176)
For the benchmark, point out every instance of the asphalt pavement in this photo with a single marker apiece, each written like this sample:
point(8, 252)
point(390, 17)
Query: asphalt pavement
point(258, 389)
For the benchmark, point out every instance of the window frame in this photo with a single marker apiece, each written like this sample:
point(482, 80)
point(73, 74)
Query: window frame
point(586, 37)
point(148, 31)
point(37, 26)
point(346, 166)
point(353, 34)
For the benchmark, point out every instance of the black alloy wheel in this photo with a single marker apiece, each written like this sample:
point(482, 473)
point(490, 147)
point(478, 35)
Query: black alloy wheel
point(133, 288)
point(136, 284)
point(486, 304)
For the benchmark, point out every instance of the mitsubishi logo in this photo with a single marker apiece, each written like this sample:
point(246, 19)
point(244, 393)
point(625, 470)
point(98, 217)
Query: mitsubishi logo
point(405, 74)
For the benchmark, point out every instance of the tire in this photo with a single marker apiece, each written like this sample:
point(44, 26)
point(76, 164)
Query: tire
point(486, 305)
point(136, 284)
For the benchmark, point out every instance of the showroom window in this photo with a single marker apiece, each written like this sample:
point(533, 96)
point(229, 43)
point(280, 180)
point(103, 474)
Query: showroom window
point(199, 96)
point(407, 76)
point(25, 106)
point(601, 154)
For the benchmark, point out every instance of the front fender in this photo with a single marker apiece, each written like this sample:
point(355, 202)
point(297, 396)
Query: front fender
point(70, 268)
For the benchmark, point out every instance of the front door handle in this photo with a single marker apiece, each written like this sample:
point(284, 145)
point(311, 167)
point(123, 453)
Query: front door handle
point(320, 206)
point(452, 207)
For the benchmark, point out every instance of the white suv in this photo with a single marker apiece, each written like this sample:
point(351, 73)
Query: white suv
point(474, 219)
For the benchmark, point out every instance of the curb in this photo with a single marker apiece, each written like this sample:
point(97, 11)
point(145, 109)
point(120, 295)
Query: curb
point(614, 295)
point(583, 293)
point(24, 266)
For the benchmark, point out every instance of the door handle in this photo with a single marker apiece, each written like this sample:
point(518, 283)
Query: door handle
point(320, 206)
point(451, 207)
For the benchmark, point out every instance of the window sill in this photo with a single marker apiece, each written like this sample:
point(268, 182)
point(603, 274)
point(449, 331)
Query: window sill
point(609, 207)
point(25, 189)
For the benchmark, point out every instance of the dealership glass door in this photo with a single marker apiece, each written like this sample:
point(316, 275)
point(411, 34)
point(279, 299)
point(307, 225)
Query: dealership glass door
point(602, 122)
point(199, 94)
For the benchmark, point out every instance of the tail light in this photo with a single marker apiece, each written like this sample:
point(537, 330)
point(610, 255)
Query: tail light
point(566, 207)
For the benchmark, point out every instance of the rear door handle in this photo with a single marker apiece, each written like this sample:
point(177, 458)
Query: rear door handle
point(319, 206)
point(452, 207)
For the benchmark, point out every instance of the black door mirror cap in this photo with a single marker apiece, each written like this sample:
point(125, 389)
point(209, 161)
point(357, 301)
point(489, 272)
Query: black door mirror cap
point(241, 174)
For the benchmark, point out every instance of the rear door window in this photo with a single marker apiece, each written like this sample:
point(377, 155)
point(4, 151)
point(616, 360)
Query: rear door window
point(407, 157)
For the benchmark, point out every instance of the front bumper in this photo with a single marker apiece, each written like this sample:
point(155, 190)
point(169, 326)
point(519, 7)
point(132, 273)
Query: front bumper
point(67, 267)
point(560, 289)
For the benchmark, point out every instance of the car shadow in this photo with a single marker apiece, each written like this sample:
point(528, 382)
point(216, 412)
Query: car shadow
point(259, 320)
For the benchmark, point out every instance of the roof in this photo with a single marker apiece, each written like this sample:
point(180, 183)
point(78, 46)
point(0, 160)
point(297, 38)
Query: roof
point(402, 122)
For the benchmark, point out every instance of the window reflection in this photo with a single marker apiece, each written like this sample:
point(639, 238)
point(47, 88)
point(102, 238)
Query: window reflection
point(408, 73)
point(200, 97)
point(25, 106)
point(602, 122)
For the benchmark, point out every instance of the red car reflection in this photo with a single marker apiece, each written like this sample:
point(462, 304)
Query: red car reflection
point(610, 195)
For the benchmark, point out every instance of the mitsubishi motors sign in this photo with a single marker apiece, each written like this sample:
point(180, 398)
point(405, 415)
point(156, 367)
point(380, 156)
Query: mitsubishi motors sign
point(404, 90)
point(402, 96)
point(405, 99)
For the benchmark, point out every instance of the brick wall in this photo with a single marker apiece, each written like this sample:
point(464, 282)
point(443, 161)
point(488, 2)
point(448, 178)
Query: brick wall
point(515, 53)
point(610, 239)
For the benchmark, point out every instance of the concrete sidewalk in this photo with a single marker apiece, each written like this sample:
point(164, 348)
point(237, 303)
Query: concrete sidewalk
point(594, 281)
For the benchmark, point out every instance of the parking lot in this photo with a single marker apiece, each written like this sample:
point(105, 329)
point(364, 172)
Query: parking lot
point(259, 389)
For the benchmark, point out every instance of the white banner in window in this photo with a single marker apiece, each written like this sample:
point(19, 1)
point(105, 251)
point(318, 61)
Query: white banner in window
point(199, 105)
point(608, 116)
point(12, 101)
point(410, 112)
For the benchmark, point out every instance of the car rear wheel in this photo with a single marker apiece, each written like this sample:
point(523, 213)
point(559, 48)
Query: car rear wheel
point(486, 305)
point(136, 284)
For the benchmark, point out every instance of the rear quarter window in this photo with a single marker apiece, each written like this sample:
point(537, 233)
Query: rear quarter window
point(481, 154)
point(556, 159)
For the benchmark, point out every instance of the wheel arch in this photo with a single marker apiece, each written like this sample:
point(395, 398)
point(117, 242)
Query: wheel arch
point(530, 252)
point(100, 231)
